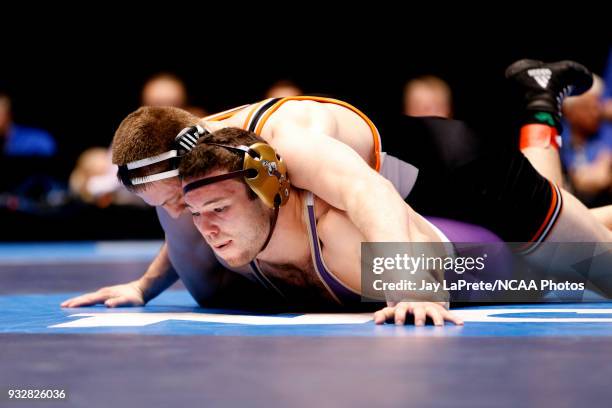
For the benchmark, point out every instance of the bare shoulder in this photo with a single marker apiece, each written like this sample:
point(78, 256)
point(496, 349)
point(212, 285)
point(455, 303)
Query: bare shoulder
point(304, 113)
point(238, 119)
point(302, 109)
point(330, 119)
point(235, 117)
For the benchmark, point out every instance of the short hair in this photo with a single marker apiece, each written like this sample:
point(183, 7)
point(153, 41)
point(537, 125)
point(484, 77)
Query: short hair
point(147, 132)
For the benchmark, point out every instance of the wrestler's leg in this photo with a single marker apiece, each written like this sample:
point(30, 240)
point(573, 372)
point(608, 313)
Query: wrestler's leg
point(510, 197)
point(547, 162)
point(585, 250)
point(603, 215)
point(576, 223)
point(544, 86)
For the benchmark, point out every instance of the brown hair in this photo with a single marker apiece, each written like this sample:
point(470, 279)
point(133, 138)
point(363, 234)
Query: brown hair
point(205, 157)
point(147, 132)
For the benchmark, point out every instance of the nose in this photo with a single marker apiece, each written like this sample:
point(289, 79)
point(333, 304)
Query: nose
point(207, 228)
point(175, 209)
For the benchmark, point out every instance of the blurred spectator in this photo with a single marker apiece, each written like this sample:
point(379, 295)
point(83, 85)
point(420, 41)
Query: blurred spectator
point(587, 153)
point(29, 181)
point(166, 89)
point(94, 180)
point(427, 96)
point(283, 89)
point(18, 140)
point(606, 128)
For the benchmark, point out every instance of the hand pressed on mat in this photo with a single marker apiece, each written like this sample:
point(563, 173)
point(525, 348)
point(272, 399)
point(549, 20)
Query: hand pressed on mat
point(420, 310)
point(128, 294)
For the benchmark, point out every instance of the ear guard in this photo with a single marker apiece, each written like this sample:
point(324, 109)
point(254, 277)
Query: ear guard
point(263, 170)
point(265, 173)
point(184, 142)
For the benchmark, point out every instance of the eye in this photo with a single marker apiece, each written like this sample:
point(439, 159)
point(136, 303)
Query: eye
point(195, 214)
point(220, 209)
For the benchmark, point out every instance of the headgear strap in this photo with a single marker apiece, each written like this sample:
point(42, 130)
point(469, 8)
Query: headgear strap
point(184, 142)
point(264, 172)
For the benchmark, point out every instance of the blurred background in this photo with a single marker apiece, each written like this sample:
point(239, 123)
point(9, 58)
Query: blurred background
point(63, 95)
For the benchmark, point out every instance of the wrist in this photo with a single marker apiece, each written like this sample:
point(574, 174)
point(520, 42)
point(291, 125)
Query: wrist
point(142, 288)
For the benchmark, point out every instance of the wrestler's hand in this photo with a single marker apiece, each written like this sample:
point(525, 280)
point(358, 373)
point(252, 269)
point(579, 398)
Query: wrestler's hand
point(128, 294)
point(421, 310)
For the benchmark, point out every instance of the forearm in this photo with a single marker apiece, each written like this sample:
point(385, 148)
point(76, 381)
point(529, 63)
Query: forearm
point(159, 276)
point(383, 216)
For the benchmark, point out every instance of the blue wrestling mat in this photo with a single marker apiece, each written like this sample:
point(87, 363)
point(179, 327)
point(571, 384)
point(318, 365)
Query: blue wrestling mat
point(173, 353)
point(174, 313)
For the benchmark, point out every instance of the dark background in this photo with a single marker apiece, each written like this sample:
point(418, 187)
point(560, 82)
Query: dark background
point(79, 80)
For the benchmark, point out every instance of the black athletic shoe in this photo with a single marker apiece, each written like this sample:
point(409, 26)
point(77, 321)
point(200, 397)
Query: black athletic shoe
point(545, 85)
